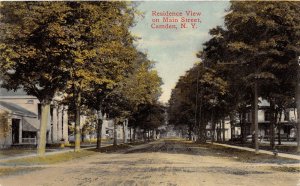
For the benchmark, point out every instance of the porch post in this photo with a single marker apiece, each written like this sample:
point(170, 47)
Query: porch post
point(65, 124)
point(54, 124)
point(20, 130)
point(59, 122)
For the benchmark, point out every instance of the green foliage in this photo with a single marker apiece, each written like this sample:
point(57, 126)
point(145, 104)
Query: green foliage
point(89, 126)
point(73, 47)
point(259, 42)
point(31, 51)
point(149, 116)
point(141, 87)
point(192, 107)
point(50, 159)
point(5, 126)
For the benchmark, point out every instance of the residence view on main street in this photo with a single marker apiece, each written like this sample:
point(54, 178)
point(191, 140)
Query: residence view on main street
point(150, 93)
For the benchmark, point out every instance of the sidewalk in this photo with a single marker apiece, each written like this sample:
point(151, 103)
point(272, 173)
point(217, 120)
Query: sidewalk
point(283, 155)
point(51, 153)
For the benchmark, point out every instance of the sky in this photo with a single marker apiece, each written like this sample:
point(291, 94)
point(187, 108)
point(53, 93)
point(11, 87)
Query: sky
point(174, 50)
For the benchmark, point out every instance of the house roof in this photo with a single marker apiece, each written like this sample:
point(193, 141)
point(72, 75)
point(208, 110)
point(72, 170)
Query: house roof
point(18, 92)
point(263, 103)
point(16, 109)
point(30, 124)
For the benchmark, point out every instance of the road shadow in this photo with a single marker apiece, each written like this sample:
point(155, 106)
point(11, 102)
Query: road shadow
point(189, 148)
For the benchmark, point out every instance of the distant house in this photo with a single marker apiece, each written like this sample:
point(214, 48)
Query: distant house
point(219, 130)
point(23, 118)
point(106, 132)
point(286, 122)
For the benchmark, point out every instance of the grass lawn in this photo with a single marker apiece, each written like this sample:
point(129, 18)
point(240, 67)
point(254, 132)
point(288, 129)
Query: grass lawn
point(8, 171)
point(12, 152)
point(283, 148)
point(61, 157)
point(50, 159)
point(10, 167)
point(244, 156)
point(286, 169)
point(251, 157)
point(5, 153)
point(111, 148)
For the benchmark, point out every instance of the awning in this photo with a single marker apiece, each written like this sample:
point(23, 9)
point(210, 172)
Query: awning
point(16, 109)
point(30, 124)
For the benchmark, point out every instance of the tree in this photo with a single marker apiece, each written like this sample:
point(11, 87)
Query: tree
point(149, 117)
point(271, 55)
point(142, 86)
point(5, 126)
point(49, 47)
point(32, 54)
point(101, 55)
point(217, 55)
point(180, 108)
point(196, 90)
point(266, 61)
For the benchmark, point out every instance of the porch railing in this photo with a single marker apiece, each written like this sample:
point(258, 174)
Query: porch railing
point(28, 140)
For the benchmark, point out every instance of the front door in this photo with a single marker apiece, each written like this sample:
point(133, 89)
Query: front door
point(15, 131)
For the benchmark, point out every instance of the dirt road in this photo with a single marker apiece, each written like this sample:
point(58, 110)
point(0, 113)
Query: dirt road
point(164, 162)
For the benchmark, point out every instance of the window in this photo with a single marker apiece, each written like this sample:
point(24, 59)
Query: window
point(30, 101)
point(248, 117)
point(51, 112)
point(286, 115)
point(39, 110)
point(267, 115)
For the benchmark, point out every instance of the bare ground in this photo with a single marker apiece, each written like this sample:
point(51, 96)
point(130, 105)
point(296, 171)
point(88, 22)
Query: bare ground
point(164, 162)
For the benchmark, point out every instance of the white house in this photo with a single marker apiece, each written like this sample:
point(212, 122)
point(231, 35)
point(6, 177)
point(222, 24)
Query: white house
point(22, 113)
point(286, 121)
point(107, 129)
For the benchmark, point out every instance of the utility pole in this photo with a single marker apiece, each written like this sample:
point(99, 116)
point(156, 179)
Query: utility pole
point(298, 105)
point(99, 127)
point(256, 117)
point(196, 109)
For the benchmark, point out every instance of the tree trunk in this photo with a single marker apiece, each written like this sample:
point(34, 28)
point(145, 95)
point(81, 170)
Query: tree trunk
point(213, 131)
point(124, 133)
point(252, 128)
point(231, 126)
point(145, 135)
point(134, 134)
point(279, 127)
point(223, 130)
point(278, 134)
point(256, 117)
point(272, 124)
point(45, 109)
point(77, 122)
point(218, 134)
point(201, 125)
point(82, 135)
point(115, 132)
point(130, 137)
point(242, 124)
point(99, 129)
point(190, 131)
point(298, 107)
